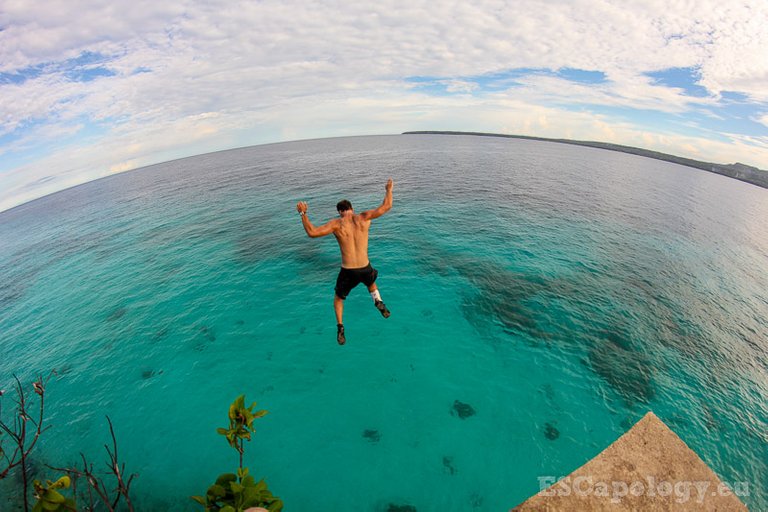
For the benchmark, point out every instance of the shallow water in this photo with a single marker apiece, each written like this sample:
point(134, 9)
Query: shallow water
point(544, 297)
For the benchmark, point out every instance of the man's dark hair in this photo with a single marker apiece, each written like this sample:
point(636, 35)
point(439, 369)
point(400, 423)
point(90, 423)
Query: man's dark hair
point(343, 206)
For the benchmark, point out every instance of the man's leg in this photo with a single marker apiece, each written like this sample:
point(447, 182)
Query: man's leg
point(376, 296)
point(338, 307)
point(343, 287)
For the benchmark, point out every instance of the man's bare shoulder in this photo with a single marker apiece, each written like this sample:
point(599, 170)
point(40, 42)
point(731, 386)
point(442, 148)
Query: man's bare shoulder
point(364, 216)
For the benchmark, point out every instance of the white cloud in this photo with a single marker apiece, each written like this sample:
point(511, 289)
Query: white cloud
point(736, 58)
point(461, 86)
point(639, 93)
point(191, 76)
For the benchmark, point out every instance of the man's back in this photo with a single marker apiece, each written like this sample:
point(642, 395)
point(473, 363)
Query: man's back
point(352, 235)
point(350, 229)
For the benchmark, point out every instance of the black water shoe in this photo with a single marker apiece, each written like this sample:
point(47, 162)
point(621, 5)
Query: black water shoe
point(382, 308)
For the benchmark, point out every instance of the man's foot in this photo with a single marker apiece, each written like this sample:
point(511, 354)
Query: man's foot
point(382, 308)
point(340, 334)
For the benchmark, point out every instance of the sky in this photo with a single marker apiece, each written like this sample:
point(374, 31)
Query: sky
point(93, 88)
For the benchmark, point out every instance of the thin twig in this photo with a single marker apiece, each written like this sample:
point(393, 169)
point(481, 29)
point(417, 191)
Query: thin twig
point(22, 428)
point(94, 483)
point(123, 487)
point(240, 450)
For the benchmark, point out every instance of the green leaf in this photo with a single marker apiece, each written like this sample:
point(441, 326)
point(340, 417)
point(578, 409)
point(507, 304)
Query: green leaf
point(200, 500)
point(227, 508)
point(276, 506)
point(236, 487)
point(61, 483)
point(249, 481)
point(251, 496)
point(217, 491)
point(47, 505)
point(235, 408)
point(259, 414)
point(261, 485)
point(53, 497)
point(222, 431)
point(225, 478)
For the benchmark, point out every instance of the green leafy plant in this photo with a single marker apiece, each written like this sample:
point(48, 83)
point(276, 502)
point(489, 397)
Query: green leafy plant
point(50, 499)
point(239, 492)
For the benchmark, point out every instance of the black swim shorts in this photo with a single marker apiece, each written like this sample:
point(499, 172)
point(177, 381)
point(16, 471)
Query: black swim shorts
point(351, 277)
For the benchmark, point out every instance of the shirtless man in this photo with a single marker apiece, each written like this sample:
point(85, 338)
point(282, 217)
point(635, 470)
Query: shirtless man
point(351, 232)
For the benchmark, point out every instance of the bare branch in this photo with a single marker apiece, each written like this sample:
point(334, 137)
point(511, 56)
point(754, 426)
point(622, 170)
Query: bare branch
point(123, 487)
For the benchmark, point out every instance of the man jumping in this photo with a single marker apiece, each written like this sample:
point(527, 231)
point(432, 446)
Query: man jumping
point(351, 232)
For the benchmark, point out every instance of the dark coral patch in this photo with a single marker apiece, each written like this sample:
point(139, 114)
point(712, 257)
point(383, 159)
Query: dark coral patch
point(463, 410)
point(117, 314)
point(501, 298)
point(551, 432)
point(448, 466)
point(400, 508)
point(627, 370)
point(548, 391)
point(67, 368)
point(208, 333)
point(476, 500)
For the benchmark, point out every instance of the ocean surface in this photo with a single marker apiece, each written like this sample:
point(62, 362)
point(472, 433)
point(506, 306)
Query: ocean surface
point(544, 297)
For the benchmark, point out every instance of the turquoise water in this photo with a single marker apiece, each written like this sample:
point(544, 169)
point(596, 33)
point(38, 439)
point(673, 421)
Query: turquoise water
point(560, 291)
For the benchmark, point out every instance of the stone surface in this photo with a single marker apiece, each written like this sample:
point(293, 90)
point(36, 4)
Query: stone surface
point(635, 473)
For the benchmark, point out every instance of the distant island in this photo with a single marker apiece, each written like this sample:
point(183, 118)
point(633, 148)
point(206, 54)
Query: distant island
point(737, 171)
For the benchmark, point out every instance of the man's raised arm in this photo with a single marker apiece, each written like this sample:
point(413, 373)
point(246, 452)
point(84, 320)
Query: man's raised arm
point(314, 231)
point(386, 205)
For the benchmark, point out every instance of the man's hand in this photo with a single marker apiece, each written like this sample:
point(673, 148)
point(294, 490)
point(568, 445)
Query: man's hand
point(390, 183)
point(301, 206)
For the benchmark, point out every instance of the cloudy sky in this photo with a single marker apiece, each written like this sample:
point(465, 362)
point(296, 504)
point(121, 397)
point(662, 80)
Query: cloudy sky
point(90, 88)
